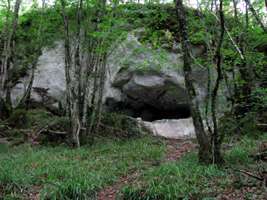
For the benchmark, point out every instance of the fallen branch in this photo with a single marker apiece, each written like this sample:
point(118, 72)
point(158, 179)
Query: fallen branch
point(261, 177)
point(57, 132)
point(26, 130)
point(250, 174)
point(262, 124)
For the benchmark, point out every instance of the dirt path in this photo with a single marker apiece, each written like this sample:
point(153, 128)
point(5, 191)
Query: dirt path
point(175, 150)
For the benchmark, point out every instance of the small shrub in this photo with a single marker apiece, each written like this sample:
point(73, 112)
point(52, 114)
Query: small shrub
point(246, 125)
point(19, 119)
point(121, 126)
point(4, 110)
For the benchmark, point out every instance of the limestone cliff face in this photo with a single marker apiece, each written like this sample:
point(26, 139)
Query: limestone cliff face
point(140, 81)
point(149, 83)
point(49, 78)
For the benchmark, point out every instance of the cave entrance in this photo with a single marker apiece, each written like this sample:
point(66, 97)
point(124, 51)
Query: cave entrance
point(148, 112)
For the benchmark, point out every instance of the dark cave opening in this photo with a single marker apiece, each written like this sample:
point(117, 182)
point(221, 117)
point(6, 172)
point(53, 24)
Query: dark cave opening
point(148, 112)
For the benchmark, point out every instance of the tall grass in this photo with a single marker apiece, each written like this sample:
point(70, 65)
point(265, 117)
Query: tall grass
point(63, 173)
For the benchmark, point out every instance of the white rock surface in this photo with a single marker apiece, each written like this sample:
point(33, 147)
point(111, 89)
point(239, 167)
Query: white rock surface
point(50, 72)
point(163, 73)
point(49, 75)
point(172, 128)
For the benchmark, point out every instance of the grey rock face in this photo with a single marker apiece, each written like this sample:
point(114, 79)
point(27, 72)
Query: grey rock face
point(140, 81)
point(149, 83)
point(49, 79)
point(50, 72)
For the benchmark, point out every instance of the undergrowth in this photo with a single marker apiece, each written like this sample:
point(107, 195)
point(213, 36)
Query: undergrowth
point(63, 173)
point(187, 179)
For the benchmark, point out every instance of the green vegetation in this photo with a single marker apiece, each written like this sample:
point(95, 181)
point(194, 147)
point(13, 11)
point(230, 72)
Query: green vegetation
point(36, 162)
point(187, 179)
point(63, 173)
point(120, 126)
point(160, 32)
point(24, 122)
point(176, 180)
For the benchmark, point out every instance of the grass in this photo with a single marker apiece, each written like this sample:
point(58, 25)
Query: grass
point(187, 179)
point(63, 173)
point(176, 180)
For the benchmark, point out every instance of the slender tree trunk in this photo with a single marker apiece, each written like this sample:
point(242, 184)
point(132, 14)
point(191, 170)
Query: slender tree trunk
point(4, 37)
point(210, 60)
point(78, 67)
point(72, 101)
point(211, 5)
point(91, 62)
point(8, 55)
point(77, 90)
point(253, 11)
point(99, 74)
point(246, 17)
point(204, 145)
point(101, 90)
point(24, 101)
point(235, 8)
point(217, 158)
point(27, 94)
point(94, 93)
point(242, 98)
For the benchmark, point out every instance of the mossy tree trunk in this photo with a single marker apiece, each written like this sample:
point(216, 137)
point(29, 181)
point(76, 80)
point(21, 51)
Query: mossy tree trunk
point(202, 137)
point(77, 74)
point(71, 82)
point(216, 139)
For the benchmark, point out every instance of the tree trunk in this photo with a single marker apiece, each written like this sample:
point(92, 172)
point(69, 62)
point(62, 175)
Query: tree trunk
point(204, 145)
point(253, 11)
point(235, 8)
point(27, 94)
point(8, 55)
point(78, 67)
point(242, 98)
point(101, 89)
point(216, 142)
point(94, 93)
point(72, 101)
point(98, 71)
point(24, 101)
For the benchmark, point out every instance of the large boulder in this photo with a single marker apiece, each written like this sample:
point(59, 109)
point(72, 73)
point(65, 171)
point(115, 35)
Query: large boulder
point(140, 81)
point(149, 83)
point(49, 79)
